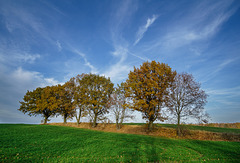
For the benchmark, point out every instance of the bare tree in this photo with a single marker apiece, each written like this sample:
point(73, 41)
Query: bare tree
point(117, 102)
point(187, 99)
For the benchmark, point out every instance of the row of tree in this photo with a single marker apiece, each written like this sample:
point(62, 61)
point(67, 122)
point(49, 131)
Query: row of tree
point(148, 89)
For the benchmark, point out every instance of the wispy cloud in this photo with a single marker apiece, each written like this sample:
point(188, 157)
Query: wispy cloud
point(59, 45)
point(14, 55)
point(144, 28)
point(142, 58)
point(226, 92)
point(217, 69)
point(118, 71)
point(26, 57)
point(24, 21)
point(87, 63)
point(201, 23)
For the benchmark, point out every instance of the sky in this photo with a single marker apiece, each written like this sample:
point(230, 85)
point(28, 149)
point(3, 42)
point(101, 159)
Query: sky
point(46, 42)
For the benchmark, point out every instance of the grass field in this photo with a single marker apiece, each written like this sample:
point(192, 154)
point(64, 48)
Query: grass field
point(45, 143)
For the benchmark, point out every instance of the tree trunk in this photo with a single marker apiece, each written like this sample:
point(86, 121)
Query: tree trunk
point(45, 120)
point(78, 121)
point(150, 125)
point(122, 118)
point(178, 126)
point(95, 120)
point(65, 118)
point(117, 124)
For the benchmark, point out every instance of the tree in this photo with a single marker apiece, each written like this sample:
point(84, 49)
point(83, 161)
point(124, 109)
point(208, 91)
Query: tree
point(76, 87)
point(47, 104)
point(97, 90)
point(118, 105)
point(64, 103)
point(148, 87)
point(36, 103)
point(187, 99)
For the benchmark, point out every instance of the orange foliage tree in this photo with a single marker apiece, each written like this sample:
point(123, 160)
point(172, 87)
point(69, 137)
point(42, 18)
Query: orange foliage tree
point(148, 87)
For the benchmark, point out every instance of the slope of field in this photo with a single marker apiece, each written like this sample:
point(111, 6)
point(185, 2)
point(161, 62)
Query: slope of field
point(45, 143)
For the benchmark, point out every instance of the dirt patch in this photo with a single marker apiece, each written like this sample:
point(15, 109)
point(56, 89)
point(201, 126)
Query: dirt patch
point(158, 131)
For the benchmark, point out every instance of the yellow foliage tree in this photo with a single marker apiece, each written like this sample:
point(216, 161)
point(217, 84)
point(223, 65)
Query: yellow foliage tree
point(37, 102)
point(64, 104)
point(76, 88)
point(148, 88)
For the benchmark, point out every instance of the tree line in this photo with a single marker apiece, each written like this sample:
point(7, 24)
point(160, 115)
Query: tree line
point(148, 89)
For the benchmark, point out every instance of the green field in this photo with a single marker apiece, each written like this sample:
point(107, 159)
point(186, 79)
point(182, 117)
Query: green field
point(44, 143)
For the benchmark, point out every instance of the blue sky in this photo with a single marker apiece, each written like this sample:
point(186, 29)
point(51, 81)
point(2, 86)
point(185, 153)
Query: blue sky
point(48, 42)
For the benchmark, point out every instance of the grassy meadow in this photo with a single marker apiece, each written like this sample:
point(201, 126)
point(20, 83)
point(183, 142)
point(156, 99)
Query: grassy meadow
point(46, 143)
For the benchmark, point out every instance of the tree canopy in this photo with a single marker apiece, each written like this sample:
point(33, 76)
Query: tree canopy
point(187, 99)
point(41, 101)
point(77, 88)
point(97, 90)
point(148, 87)
point(118, 105)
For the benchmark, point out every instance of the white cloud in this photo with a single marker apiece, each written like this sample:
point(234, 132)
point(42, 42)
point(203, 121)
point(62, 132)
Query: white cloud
point(14, 85)
point(118, 71)
point(144, 28)
point(51, 81)
point(30, 79)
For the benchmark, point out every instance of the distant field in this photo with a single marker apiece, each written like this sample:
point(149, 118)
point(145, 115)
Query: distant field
point(45, 143)
point(205, 128)
point(192, 127)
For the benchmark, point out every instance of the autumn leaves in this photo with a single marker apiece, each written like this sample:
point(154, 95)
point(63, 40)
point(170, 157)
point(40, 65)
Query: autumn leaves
point(148, 89)
point(88, 93)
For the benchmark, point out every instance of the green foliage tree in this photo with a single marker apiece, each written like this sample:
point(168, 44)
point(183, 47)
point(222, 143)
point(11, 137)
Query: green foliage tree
point(187, 99)
point(36, 102)
point(148, 87)
point(96, 93)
